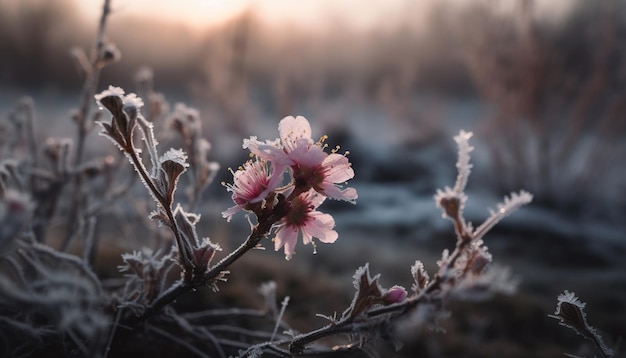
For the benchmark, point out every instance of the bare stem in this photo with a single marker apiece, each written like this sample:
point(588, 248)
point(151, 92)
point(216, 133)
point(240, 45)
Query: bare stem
point(92, 77)
point(91, 82)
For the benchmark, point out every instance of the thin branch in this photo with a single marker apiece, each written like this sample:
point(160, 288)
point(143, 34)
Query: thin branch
point(179, 341)
point(91, 83)
point(166, 206)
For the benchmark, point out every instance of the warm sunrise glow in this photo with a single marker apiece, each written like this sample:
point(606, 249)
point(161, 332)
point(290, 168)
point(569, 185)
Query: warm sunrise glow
point(200, 14)
point(195, 13)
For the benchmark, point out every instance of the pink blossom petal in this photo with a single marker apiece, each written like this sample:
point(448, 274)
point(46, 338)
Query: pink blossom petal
point(306, 155)
point(291, 129)
point(338, 168)
point(228, 214)
point(278, 171)
point(251, 184)
point(286, 236)
point(315, 198)
point(321, 227)
point(269, 151)
point(334, 192)
point(306, 237)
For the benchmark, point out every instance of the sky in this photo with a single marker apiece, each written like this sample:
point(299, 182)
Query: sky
point(359, 14)
point(203, 13)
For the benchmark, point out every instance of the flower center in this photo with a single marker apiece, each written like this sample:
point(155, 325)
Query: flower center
point(308, 177)
point(298, 215)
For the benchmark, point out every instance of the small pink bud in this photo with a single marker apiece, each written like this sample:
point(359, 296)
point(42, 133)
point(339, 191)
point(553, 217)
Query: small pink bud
point(395, 294)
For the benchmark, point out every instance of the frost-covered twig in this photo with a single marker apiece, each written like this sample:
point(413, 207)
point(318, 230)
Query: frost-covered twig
point(510, 204)
point(214, 273)
point(462, 274)
point(161, 181)
point(186, 121)
point(570, 312)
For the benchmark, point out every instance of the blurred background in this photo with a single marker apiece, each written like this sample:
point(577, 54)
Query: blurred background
point(542, 84)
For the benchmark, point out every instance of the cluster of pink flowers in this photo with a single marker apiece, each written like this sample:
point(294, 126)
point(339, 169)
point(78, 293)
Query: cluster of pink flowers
point(314, 175)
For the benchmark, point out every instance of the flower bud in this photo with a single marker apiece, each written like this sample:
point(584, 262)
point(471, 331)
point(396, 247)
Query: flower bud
point(395, 294)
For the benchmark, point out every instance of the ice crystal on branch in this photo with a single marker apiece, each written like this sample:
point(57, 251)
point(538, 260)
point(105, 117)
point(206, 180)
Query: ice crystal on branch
point(420, 276)
point(570, 312)
point(452, 201)
point(125, 109)
point(173, 164)
point(368, 292)
point(511, 203)
point(147, 129)
point(187, 123)
point(146, 273)
point(194, 255)
point(463, 165)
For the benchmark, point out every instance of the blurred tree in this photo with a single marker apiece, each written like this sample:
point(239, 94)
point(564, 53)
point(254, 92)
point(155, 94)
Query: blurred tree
point(32, 33)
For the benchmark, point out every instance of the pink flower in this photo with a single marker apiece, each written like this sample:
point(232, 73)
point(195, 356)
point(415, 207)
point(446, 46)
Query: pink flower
point(251, 184)
point(302, 216)
point(310, 165)
point(323, 173)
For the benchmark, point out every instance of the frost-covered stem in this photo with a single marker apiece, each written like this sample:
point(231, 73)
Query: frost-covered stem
point(91, 82)
point(461, 231)
point(265, 346)
point(181, 287)
point(432, 286)
point(346, 325)
point(464, 238)
point(188, 265)
point(298, 344)
point(260, 231)
point(511, 203)
point(406, 305)
point(600, 347)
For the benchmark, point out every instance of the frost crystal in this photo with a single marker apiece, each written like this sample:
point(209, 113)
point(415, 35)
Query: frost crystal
point(111, 91)
point(463, 165)
point(570, 312)
point(510, 204)
point(420, 276)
